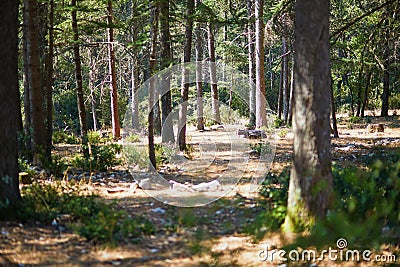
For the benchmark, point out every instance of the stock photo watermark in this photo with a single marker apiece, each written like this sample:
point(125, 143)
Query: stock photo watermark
point(339, 253)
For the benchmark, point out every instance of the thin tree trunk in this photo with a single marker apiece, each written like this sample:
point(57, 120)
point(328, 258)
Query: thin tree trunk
point(386, 79)
point(153, 61)
point(291, 98)
point(92, 79)
point(199, 75)
point(116, 127)
point(78, 77)
point(134, 96)
point(213, 75)
point(167, 134)
point(261, 116)
point(285, 87)
point(49, 82)
point(310, 189)
point(9, 189)
point(366, 93)
point(185, 76)
point(39, 140)
point(333, 110)
point(280, 93)
point(250, 55)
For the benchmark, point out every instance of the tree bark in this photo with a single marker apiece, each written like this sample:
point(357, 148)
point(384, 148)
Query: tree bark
point(386, 76)
point(9, 189)
point(49, 82)
point(285, 81)
point(78, 75)
point(185, 76)
point(134, 95)
point(116, 127)
point(167, 134)
point(153, 61)
point(27, 96)
point(261, 112)
point(39, 140)
point(199, 75)
point(213, 75)
point(333, 109)
point(250, 55)
point(310, 189)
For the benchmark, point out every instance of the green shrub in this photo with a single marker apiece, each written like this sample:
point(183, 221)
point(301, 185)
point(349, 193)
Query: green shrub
point(278, 122)
point(133, 138)
point(100, 157)
point(60, 137)
point(91, 217)
point(355, 119)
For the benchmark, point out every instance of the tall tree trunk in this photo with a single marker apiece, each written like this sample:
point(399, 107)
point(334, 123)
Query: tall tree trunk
point(166, 60)
point(153, 61)
point(366, 93)
point(92, 81)
point(27, 95)
point(39, 140)
point(134, 95)
point(310, 189)
point(386, 78)
point(280, 93)
point(291, 98)
point(261, 112)
point(49, 82)
point(285, 82)
point(199, 75)
point(9, 189)
point(78, 76)
point(185, 75)
point(116, 127)
point(250, 55)
point(213, 75)
point(333, 109)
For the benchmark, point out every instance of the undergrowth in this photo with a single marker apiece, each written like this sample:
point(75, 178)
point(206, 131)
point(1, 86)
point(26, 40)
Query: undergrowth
point(89, 215)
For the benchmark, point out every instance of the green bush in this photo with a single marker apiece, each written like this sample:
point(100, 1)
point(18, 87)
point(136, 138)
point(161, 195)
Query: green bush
point(60, 137)
point(394, 101)
point(91, 217)
point(355, 119)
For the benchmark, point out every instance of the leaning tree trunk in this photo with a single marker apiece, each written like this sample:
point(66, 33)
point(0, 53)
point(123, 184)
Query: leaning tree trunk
point(261, 112)
point(9, 189)
point(185, 76)
point(333, 110)
point(250, 55)
point(39, 140)
point(116, 127)
point(213, 75)
point(310, 189)
point(167, 134)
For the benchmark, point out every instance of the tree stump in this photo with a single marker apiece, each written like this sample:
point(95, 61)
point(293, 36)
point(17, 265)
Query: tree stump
point(25, 178)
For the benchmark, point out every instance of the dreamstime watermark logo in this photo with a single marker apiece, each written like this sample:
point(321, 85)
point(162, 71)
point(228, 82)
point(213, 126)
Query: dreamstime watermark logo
point(340, 253)
point(217, 158)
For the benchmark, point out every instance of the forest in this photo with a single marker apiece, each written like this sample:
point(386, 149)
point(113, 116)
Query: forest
point(200, 133)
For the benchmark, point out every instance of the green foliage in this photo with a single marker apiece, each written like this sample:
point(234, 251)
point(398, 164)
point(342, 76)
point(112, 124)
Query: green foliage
point(163, 153)
point(133, 138)
point(278, 122)
point(101, 153)
point(355, 119)
point(275, 191)
point(261, 148)
point(60, 137)
point(24, 166)
point(91, 217)
point(394, 101)
point(283, 133)
point(136, 156)
point(100, 157)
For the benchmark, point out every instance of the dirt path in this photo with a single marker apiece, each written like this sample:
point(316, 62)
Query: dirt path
point(211, 235)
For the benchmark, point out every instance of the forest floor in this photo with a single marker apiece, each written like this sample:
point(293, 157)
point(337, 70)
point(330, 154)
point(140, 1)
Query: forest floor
point(210, 235)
